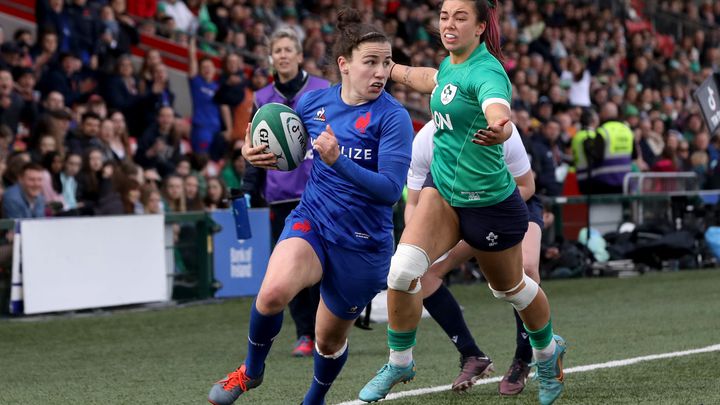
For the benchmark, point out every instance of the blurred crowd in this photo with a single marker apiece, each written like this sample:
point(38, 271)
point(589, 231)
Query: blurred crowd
point(84, 130)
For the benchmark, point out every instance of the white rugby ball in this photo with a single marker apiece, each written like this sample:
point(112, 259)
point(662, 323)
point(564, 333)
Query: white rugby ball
point(280, 129)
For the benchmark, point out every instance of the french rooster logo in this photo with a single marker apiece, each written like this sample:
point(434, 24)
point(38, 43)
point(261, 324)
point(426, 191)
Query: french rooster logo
point(303, 226)
point(362, 122)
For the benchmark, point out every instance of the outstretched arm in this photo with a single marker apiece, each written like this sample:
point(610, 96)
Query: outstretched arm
point(192, 56)
point(420, 79)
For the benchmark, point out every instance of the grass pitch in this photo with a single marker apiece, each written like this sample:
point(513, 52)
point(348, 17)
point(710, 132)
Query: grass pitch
point(172, 356)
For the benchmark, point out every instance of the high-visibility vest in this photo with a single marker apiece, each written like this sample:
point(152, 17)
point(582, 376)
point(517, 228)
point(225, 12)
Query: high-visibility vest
point(617, 160)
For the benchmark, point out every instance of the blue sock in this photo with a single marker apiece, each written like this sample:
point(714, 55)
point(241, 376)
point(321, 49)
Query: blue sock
point(447, 313)
point(326, 371)
point(263, 330)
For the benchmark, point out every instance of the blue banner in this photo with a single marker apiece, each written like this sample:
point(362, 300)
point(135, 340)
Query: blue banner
point(240, 264)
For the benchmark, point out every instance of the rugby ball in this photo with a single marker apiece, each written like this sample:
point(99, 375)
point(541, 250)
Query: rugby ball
point(280, 129)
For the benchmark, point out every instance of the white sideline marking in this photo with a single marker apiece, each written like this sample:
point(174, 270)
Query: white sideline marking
point(578, 369)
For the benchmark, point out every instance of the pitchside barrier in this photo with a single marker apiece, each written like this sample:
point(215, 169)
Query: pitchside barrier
point(68, 264)
point(609, 211)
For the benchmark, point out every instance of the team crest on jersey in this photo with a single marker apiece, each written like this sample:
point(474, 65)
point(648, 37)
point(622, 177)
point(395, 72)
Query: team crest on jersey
point(448, 93)
point(320, 115)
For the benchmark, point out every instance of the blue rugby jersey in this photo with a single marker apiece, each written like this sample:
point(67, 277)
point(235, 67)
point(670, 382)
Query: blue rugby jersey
point(378, 130)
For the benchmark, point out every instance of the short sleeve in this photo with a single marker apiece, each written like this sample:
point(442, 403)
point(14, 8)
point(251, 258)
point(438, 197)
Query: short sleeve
point(516, 156)
point(422, 152)
point(492, 86)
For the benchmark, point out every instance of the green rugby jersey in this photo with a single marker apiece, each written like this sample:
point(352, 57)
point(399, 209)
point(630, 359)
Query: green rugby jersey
point(466, 174)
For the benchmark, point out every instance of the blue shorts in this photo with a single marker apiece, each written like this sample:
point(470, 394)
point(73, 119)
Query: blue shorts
point(535, 211)
point(351, 278)
point(493, 228)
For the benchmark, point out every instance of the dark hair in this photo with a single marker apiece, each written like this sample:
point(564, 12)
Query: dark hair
point(31, 166)
point(353, 33)
point(486, 11)
point(90, 115)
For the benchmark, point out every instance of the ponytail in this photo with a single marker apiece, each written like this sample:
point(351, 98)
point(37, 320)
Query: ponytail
point(491, 36)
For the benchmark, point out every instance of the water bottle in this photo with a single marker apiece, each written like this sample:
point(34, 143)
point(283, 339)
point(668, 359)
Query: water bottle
point(240, 214)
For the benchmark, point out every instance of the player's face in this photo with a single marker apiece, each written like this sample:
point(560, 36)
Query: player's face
point(286, 58)
point(459, 28)
point(367, 70)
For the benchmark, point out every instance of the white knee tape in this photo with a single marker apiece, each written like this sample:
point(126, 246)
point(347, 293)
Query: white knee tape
point(521, 295)
point(334, 355)
point(408, 264)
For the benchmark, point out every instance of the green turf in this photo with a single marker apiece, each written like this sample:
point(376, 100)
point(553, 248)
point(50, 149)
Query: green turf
point(172, 356)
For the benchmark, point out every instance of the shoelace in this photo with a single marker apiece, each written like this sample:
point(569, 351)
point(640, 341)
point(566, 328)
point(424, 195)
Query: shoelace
point(545, 372)
point(237, 377)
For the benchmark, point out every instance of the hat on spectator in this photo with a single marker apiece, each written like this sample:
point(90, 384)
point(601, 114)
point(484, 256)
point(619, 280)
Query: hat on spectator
point(544, 100)
point(631, 111)
point(208, 27)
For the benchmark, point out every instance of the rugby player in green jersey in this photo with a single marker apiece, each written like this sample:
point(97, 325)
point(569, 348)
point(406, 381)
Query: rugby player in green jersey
point(469, 195)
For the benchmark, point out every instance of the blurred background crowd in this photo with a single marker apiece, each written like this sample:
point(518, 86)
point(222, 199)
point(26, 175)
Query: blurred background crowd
point(87, 129)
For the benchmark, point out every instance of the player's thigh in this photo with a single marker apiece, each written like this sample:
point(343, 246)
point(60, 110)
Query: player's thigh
point(531, 251)
point(293, 266)
point(434, 226)
point(331, 331)
point(503, 270)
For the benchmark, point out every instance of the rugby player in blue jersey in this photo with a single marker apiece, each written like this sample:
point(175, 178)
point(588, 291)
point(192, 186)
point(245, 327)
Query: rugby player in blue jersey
point(341, 232)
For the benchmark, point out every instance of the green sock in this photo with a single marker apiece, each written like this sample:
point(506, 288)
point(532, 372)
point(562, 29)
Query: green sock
point(400, 341)
point(540, 339)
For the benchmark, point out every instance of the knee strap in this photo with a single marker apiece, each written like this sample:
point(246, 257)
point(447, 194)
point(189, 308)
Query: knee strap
point(408, 264)
point(335, 355)
point(519, 296)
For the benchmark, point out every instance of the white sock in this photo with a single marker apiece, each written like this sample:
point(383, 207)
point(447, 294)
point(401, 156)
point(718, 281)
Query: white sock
point(546, 353)
point(401, 358)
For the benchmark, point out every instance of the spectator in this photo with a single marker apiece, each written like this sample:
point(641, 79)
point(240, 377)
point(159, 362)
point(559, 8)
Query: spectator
point(12, 105)
point(157, 96)
point(217, 195)
point(52, 162)
point(13, 171)
point(86, 136)
point(51, 15)
point(180, 13)
point(65, 79)
point(234, 170)
point(151, 201)
point(131, 197)
point(96, 190)
point(159, 146)
point(193, 198)
point(85, 30)
point(174, 194)
point(45, 52)
point(231, 94)
point(68, 180)
point(206, 123)
point(115, 148)
point(151, 59)
point(122, 91)
point(546, 159)
point(45, 145)
point(25, 199)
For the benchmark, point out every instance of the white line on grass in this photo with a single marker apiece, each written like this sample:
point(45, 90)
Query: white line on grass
point(578, 369)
